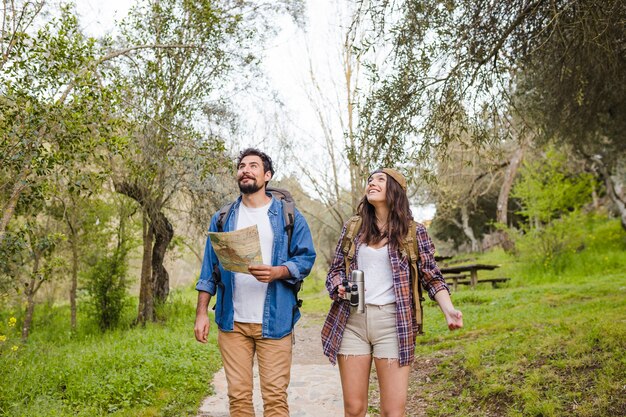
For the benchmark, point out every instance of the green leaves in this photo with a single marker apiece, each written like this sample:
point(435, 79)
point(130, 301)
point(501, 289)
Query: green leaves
point(548, 188)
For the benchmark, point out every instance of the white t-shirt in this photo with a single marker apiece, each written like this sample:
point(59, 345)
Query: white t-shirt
point(249, 294)
point(376, 267)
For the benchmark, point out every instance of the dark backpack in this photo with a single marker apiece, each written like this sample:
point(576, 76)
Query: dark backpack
point(409, 246)
point(289, 215)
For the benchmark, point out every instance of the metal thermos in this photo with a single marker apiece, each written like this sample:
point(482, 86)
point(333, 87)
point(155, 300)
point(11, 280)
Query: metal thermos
point(358, 289)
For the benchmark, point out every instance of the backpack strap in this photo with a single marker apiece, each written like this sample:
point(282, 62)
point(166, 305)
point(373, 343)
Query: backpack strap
point(347, 246)
point(289, 214)
point(222, 216)
point(289, 211)
point(412, 251)
point(410, 247)
point(289, 219)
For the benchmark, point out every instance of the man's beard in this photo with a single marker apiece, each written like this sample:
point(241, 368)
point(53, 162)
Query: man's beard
point(249, 188)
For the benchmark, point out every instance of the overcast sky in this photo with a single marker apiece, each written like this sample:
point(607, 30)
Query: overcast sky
point(285, 62)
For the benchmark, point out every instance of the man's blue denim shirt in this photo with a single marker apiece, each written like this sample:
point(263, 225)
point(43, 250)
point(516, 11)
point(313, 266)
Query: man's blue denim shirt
point(281, 311)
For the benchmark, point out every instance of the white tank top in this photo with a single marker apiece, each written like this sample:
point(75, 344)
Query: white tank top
point(376, 267)
point(249, 294)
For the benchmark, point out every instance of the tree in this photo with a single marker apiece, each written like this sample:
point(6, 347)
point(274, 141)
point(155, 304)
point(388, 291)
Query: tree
point(465, 181)
point(17, 17)
point(559, 62)
point(53, 110)
point(78, 201)
point(338, 177)
point(576, 84)
point(106, 279)
point(169, 96)
point(552, 190)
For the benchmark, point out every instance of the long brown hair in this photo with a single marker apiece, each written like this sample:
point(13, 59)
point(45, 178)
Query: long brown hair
point(398, 219)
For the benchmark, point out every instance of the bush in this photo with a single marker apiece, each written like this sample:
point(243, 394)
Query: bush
point(550, 189)
point(575, 246)
point(106, 286)
point(545, 246)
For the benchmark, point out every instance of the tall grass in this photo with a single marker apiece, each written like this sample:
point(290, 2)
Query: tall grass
point(159, 370)
point(591, 246)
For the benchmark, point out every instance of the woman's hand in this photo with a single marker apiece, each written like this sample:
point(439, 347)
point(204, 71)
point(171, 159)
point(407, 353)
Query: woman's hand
point(453, 316)
point(454, 319)
point(341, 291)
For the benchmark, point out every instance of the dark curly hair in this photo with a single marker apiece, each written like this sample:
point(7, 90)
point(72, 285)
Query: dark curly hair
point(267, 161)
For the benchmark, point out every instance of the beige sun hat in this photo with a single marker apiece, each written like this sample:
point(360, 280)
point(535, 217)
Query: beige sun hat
point(396, 175)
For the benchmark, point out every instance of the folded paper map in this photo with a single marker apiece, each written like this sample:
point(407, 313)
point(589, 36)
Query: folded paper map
point(236, 250)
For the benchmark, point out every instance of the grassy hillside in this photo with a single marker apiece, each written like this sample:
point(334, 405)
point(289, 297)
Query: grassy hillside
point(555, 349)
point(550, 343)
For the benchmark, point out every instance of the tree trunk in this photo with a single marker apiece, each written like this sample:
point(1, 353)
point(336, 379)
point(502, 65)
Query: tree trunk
point(9, 208)
point(74, 245)
point(467, 229)
point(146, 294)
point(507, 184)
point(617, 199)
point(146, 300)
point(163, 233)
point(30, 310)
point(30, 299)
point(502, 208)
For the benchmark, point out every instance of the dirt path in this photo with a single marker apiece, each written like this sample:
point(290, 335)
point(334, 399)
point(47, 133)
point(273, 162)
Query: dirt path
point(315, 388)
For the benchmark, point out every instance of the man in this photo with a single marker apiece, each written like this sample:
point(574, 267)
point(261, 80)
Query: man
point(256, 312)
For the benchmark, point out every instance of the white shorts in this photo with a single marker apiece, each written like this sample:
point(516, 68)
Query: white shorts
point(371, 333)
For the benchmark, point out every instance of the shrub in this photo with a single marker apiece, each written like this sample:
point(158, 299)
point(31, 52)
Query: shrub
point(106, 287)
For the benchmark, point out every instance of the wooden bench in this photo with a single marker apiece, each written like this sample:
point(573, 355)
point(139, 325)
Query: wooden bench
point(456, 279)
point(494, 281)
point(472, 269)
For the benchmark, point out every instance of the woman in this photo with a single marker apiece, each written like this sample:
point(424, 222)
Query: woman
point(386, 331)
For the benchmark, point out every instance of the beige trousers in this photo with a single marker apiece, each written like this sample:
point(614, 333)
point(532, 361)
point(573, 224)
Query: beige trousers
point(274, 358)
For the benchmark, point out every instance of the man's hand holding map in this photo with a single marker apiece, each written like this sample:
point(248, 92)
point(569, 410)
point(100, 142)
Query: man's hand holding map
point(239, 249)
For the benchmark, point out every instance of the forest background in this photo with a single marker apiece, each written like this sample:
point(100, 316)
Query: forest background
point(507, 117)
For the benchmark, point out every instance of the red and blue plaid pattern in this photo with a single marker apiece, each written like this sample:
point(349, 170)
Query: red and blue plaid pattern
point(406, 326)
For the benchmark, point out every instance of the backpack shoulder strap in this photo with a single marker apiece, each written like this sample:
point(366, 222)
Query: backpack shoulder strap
point(347, 247)
point(289, 209)
point(412, 251)
point(410, 246)
point(289, 214)
point(221, 218)
point(289, 217)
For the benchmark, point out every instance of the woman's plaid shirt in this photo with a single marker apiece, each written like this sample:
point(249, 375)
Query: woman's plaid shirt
point(406, 326)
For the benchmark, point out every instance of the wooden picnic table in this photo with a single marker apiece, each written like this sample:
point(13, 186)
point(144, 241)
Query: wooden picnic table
point(472, 269)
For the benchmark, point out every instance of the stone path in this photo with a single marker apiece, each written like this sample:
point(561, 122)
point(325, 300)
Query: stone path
point(314, 390)
point(315, 387)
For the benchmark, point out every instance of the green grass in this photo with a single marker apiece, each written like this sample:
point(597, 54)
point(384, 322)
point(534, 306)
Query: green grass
point(550, 350)
point(159, 370)
point(314, 294)
point(547, 344)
